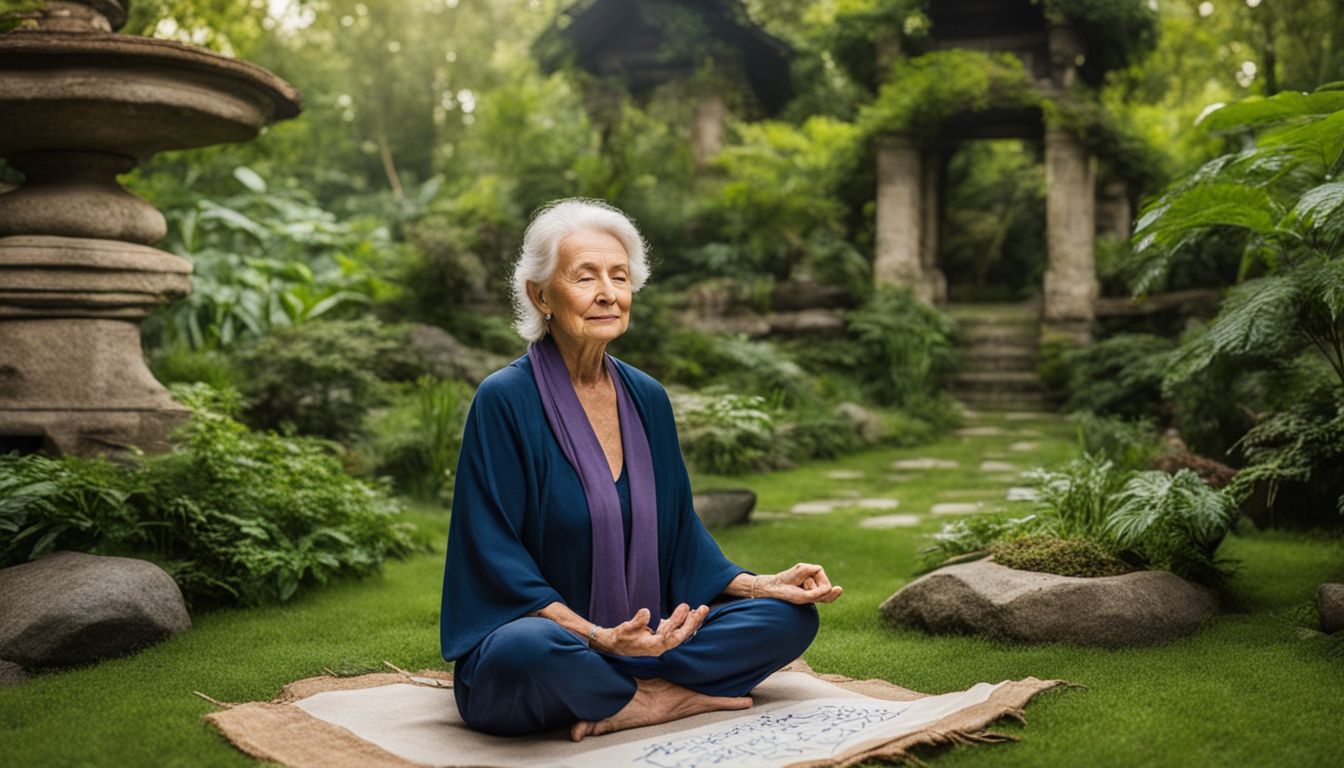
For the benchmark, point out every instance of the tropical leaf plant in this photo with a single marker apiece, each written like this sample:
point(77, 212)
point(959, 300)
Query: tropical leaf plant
point(265, 259)
point(1279, 194)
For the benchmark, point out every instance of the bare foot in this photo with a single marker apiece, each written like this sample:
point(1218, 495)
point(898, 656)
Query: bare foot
point(657, 701)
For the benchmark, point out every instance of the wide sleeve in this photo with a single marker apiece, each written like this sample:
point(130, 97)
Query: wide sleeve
point(490, 578)
point(699, 570)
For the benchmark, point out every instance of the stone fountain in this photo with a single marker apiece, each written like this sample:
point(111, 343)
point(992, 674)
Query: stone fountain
point(80, 104)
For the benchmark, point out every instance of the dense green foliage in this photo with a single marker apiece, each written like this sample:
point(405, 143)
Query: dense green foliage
point(1148, 519)
point(234, 516)
point(321, 378)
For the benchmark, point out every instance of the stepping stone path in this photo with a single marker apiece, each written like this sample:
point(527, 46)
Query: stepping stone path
point(955, 508)
point(889, 521)
point(845, 474)
point(980, 432)
point(815, 507)
point(1023, 494)
point(1026, 446)
point(1004, 477)
point(879, 503)
point(997, 466)
point(925, 463)
point(900, 478)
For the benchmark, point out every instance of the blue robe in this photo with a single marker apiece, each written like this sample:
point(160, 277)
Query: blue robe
point(520, 539)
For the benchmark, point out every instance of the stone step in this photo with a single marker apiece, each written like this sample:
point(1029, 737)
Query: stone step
point(1003, 402)
point(1024, 334)
point(1010, 359)
point(992, 381)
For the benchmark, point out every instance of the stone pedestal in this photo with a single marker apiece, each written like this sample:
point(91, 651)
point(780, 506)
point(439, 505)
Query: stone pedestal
point(80, 105)
point(1071, 281)
point(907, 221)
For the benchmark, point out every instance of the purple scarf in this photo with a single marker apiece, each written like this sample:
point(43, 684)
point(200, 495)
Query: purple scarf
point(622, 582)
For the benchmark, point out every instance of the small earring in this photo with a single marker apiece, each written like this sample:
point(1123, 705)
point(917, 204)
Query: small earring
point(548, 317)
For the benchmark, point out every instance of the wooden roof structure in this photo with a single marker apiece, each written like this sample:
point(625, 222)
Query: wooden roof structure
point(621, 38)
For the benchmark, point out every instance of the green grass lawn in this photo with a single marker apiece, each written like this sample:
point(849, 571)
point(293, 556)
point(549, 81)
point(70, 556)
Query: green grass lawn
point(1250, 688)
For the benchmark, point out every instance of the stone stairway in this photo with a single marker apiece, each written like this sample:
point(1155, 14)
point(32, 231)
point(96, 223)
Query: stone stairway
point(997, 347)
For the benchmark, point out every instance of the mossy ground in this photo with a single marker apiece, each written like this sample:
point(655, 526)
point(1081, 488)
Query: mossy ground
point(1250, 688)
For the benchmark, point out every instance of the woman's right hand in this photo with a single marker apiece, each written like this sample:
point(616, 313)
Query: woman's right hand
point(634, 638)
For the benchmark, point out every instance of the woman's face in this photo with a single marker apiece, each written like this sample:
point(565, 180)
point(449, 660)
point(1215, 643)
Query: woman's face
point(589, 294)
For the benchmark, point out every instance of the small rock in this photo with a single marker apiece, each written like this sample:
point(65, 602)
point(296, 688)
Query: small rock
point(899, 478)
point(71, 608)
point(844, 474)
point(954, 508)
point(11, 674)
point(879, 503)
point(1023, 494)
point(1008, 478)
point(869, 424)
point(889, 521)
point(1330, 601)
point(849, 493)
point(924, 463)
point(814, 507)
point(1025, 446)
point(997, 466)
point(724, 507)
point(983, 597)
point(448, 358)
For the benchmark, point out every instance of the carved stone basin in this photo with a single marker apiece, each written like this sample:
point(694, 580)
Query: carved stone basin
point(131, 96)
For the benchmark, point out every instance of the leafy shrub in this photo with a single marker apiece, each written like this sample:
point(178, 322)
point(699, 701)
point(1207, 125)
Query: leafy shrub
point(321, 378)
point(1172, 522)
point(264, 259)
point(728, 433)
point(1147, 519)
point(74, 503)
point(234, 516)
point(253, 515)
point(1076, 501)
point(812, 435)
point(903, 347)
point(182, 365)
point(416, 439)
point(1063, 557)
point(970, 536)
point(1300, 451)
point(1120, 376)
point(1127, 444)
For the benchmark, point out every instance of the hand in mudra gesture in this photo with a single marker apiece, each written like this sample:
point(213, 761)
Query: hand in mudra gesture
point(803, 583)
point(635, 638)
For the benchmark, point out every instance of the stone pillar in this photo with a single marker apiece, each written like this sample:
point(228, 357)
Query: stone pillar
point(711, 115)
point(1115, 218)
point(1071, 281)
point(904, 209)
point(932, 280)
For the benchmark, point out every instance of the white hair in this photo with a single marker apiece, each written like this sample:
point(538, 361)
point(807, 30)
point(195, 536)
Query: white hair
point(541, 252)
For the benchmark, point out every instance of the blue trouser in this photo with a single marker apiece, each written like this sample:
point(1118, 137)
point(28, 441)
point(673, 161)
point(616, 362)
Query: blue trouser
point(533, 675)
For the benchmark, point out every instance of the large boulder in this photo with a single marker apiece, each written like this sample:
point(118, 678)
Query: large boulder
point(983, 597)
point(71, 608)
point(1330, 601)
point(727, 507)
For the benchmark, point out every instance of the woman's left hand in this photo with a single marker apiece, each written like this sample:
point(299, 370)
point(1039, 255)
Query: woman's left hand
point(803, 583)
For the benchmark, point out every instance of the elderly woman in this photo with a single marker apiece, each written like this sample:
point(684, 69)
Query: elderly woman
point(581, 590)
